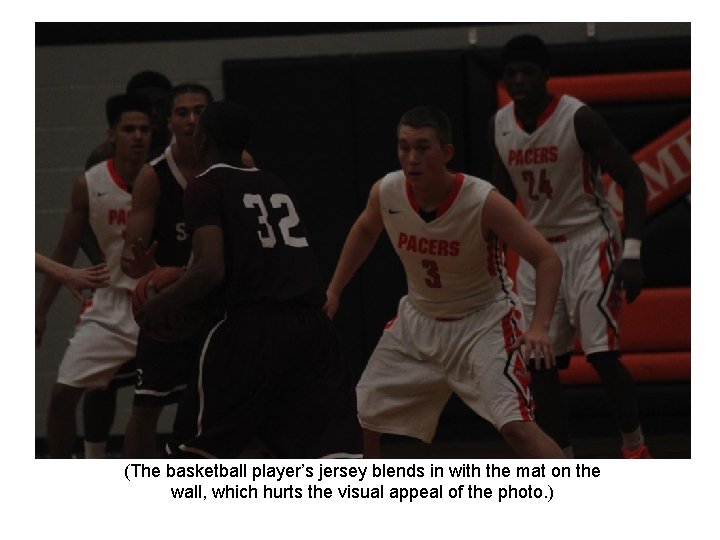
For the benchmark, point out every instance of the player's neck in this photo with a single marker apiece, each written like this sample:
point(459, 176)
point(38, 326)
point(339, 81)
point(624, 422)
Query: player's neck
point(186, 160)
point(128, 169)
point(432, 194)
point(529, 112)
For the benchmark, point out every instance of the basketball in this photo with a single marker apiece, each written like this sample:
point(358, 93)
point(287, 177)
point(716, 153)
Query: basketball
point(178, 325)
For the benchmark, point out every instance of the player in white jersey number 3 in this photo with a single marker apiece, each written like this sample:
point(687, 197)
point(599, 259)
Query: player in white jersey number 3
point(457, 329)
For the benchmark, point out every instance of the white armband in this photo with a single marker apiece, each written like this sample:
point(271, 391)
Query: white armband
point(632, 248)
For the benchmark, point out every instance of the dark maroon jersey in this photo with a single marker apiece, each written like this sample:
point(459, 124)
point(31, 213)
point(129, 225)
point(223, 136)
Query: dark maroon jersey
point(174, 245)
point(268, 258)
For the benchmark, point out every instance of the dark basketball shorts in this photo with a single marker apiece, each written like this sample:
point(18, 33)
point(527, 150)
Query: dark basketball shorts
point(164, 369)
point(275, 373)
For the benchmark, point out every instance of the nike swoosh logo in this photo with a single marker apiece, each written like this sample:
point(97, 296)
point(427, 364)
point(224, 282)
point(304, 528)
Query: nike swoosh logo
point(394, 211)
point(100, 194)
point(505, 133)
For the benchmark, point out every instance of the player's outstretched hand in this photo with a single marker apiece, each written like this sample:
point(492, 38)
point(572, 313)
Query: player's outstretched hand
point(79, 279)
point(630, 277)
point(535, 347)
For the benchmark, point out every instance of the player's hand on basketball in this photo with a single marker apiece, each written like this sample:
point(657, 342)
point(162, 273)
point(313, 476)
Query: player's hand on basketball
point(142, 261)
point(630, 277)
point(332, 303)
point(536, 348)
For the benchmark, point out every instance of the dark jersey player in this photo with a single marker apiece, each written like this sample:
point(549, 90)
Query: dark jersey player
point(164, 369)
point(272, 367)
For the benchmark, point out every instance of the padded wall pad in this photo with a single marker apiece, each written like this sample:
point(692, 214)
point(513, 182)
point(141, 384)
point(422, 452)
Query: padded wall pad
point(644, 367)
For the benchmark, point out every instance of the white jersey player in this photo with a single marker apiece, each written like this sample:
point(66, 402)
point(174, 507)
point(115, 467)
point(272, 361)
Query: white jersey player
point(106, 335)
point(548, 150)
point(457, 328)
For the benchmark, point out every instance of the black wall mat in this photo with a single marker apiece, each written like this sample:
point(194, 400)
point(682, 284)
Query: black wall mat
point(327, 125)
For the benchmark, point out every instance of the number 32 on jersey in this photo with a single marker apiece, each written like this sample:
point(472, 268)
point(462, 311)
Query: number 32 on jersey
point(267, 236)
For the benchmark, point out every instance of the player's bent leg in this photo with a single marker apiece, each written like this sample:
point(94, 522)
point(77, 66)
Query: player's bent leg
point(551, 411)
point(619, 387)
point(529, 441)
point(371, 444)
point(61, 425)
point(141, 432)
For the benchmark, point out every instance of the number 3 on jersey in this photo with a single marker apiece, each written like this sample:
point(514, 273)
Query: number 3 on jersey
point(433, 277)
point(267, 237)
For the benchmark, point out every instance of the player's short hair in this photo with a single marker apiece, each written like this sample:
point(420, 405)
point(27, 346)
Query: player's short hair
point(115, 106)
point(228, 125)
point(188, 88)
point(147, 79)
point(526, 48)
point(426, 116)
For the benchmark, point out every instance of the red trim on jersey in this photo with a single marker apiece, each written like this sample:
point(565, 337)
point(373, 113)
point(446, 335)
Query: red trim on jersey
point(446, 204)
point(411, 197)
point(605, 274)
point(508, 331)
point(517, 367)
point(390, 323)
point(547, 113)
point(115, 176)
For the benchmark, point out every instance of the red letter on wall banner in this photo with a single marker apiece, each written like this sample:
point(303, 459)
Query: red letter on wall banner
point(665, 163)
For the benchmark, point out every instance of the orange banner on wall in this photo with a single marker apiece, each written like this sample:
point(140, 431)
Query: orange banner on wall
point(617, 87)
point(665, 163)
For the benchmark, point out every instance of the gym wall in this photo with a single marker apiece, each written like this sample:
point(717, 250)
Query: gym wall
point(326, 107)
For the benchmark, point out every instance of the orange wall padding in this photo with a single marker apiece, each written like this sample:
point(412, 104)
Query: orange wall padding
point(617, 87)
point(658, 320)
point(655, 340)
point(654, 367)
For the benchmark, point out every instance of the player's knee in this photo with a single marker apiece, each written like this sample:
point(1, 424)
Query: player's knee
point(63, 395)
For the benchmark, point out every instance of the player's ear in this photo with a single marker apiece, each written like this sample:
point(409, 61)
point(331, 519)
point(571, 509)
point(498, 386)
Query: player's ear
point(448, 152)
point(111, 135)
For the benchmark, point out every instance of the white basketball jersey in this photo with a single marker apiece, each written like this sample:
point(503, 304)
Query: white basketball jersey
point(110, 204)
point(451, 269)
point(557, 181)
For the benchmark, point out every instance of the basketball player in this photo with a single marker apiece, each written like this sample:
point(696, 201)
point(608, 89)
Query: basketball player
point(271, 368)
point(548, 149)
point(155, 87)
point(99, 405)
point(106, 334)
point(457, 328)
point(158, 216)
point(75, 279)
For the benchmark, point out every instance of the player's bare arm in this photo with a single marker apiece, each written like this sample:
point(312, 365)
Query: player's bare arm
point(247, 160)
point(596, 138)
point(205, 274)
point(146, 195)
point(502, 218)
point(359, 243)
point(74, 227)
point(499, 176)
